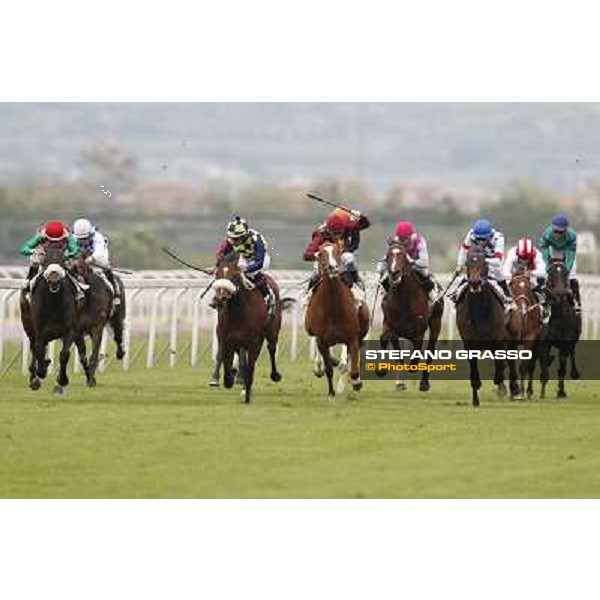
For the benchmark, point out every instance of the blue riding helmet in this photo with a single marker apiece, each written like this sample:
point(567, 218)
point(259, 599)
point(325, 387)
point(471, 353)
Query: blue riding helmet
point(560, 222)
point(482, 230)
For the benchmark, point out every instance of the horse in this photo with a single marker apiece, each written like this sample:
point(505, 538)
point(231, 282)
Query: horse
point(332, 317)
point(480, 320)
point(563, 329)
point(406, 311)
point(97, 312)
point(525, 327)
point(244, 323)
point(50, 314)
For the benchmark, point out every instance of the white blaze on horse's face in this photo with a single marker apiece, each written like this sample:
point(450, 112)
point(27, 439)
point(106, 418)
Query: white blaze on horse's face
point(54, 273)
point(395, 254)
point(333, 265)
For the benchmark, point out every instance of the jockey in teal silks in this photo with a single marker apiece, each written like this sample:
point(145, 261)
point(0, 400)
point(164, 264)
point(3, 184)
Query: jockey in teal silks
point(559, 242)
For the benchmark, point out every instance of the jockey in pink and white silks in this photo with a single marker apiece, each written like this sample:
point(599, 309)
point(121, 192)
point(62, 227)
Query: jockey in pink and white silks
point(417, 254)
point(492, 242)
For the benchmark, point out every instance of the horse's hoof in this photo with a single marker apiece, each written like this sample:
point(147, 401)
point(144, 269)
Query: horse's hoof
point(575, 375)
point(120, 354)
point(501, 390)
point(561, 394)
point(335, 361)
point(318, 373)
point(476, 402)
point(91, 383)
point(35, 385)
point(357, 386)
point(213, 383)
point(275, 376)
point(400, 387)
point(59, 390)
point(228, 382)
point(424, 386)
point(517, 396)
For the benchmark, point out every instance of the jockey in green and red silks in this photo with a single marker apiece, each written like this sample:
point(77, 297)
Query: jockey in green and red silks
point(559, 242)
point(51, 232)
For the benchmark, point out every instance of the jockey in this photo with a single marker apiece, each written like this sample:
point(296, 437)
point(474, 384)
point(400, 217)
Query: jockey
point(53, 231)
point(94, 248)
point(492, 242)
point(559, 241)
point(343, 227)
point(251, 248)
point(525, 257)
point(416, 251)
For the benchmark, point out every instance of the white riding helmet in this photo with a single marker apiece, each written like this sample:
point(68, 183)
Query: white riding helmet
point(82, 229)
point(237, 229)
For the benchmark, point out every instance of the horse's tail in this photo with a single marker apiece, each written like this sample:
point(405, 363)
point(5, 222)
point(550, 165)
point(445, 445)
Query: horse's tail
point(287, 303)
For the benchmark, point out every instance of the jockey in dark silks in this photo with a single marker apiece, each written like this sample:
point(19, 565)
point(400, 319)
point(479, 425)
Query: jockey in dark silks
point(52, 232)
point(252, 250)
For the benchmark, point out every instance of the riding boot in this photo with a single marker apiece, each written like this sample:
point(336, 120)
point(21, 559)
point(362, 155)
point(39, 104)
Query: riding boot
point(350, 277)
point(116, 289)
point(508, 300)
point(576, 294)
point(313, 281)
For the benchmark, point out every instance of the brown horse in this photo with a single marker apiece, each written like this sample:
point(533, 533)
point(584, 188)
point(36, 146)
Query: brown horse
point(51, 315)
point(524, 328)
point(406, 312)
point(96, 313)
point(244, 323)
point(332, 317)
point(480, 320)
point(563, 329)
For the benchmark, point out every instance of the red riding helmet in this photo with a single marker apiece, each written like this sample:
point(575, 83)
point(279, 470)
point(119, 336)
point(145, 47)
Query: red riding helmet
point(336, 223)
point(404, 229)
point(525, 249)
point(55, 231)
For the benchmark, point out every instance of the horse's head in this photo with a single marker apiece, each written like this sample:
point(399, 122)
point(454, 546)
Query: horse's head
point(477, 268)
point(557, 284)
point(228, 279)
point(397, 262)
point(53, 266)
point(520, 288)
point(329, 260)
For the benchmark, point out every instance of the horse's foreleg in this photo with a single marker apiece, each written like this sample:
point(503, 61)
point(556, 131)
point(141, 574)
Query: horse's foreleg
point(251, 357)
point(117, 325)
point(96, 335)
point(475, 380)
point(227, 358)
point(275, 374)
point(354, 351)
point(435, 326)
point(63, 380)
point(562, 371)
point(544, 374)
point(34, 380)
point(80, 343)
point(326, 354)
point(400, 385)
point(575, 374)
point(41, 362)
point(424, 383)
point(214, 380)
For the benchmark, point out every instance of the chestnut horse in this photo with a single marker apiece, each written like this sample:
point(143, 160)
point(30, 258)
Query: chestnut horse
point(406, 311)
point(51, 315)
point(525, 327)
point(243, 323)
point(332, 317)
point(480, 320)
point(563, 329)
